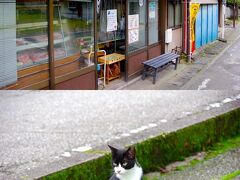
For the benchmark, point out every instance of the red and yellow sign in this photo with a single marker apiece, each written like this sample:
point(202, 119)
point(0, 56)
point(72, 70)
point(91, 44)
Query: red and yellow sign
point(194, 9)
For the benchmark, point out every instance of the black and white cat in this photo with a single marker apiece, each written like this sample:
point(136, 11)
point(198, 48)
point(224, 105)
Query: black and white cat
point(125, 164)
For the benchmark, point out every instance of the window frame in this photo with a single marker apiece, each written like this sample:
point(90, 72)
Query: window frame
point(158, 24)
point(175, 2)
point(49, 74)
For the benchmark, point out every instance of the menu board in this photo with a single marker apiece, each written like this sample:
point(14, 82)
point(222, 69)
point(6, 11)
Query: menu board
point(133, 28)
point(111, 20)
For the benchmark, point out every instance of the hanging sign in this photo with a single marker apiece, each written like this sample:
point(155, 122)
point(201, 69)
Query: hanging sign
point(133, 28)
point(111, 20)
point(152, 10)
point(194, 9)
point(141, 3)
point(98, 6)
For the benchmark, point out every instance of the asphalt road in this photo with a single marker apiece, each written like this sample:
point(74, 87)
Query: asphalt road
point(39, 127)
point(222, 74)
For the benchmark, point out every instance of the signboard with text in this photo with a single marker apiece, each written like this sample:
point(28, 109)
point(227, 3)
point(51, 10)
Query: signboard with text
point(133, 28)
point(111, 20)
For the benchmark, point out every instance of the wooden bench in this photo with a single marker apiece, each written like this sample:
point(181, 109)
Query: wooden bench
point(151, 66)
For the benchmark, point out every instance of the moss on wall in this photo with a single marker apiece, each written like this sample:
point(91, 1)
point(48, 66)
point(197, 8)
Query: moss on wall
point(162, 150)
point(96, 169)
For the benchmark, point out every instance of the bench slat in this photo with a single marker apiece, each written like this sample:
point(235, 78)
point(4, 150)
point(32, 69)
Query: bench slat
point(158, 62)
point(169, 57)
point(161, 61)
point(161, 56)
point(158, 65)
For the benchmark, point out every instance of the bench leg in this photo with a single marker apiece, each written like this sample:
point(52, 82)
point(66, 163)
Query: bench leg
point(144, 72)
point(154, 76)
point(176, 63)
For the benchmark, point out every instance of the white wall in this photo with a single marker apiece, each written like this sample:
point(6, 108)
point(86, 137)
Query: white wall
point(177, 40)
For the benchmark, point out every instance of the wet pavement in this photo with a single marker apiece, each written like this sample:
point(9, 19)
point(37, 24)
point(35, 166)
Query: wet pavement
point(39, 128)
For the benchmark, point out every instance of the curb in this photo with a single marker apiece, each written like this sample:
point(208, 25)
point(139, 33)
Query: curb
point(130, 83)
point(159, 151)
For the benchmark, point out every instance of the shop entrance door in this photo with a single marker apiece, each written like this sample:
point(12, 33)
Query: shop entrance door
point(110, 38)
point(143, 34)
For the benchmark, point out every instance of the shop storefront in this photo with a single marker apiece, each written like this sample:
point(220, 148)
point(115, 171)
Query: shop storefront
point(58, 44)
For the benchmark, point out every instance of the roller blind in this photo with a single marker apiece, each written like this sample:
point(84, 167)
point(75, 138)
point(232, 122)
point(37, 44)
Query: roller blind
point(8, 54)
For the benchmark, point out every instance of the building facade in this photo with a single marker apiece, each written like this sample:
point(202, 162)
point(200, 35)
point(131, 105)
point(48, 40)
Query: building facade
point(55, 44)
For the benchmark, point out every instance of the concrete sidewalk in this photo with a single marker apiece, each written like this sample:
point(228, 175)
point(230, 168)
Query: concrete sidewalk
point(168, 79)
point(43, 132)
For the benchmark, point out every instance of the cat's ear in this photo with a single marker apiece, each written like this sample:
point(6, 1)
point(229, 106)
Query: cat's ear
point(113, 149)
point(131, 152)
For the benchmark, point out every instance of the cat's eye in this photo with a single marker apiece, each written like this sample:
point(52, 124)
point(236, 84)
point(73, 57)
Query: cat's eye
point(124, 164)
point(114, 164)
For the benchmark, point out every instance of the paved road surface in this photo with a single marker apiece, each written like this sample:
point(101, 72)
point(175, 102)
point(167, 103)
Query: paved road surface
point(39, 127)
point(222, 74)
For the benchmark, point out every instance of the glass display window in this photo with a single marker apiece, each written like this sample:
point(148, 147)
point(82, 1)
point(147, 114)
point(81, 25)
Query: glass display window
point(153, 22)
point(137, 24)
point(111, 25)
point(31, 33)
point(74, 30)
point(174, 13)
point(8, 48)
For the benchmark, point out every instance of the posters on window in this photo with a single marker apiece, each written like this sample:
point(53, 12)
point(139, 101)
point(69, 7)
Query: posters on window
point(152, 10)
point(133, 35)
point(133, 28)
point(133, 21)
point(111, 20)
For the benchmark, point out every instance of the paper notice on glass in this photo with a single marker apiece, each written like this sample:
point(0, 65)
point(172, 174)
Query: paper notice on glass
point(133, 35)
point(133, 21)
point(111, 20)
point(152, 10)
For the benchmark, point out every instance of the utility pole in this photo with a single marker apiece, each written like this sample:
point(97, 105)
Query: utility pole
point(234, 13)
point(223, 17)
point(188, 33)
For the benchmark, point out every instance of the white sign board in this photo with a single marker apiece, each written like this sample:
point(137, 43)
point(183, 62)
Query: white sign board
point(133, 28)
point(133, 36)
point(111, 20)
point(152, 10)
point(133, 21)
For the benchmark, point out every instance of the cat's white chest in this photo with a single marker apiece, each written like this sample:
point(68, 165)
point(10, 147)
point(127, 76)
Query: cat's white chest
point(133, 174)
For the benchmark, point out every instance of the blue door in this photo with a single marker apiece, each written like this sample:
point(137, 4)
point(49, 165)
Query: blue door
point(210, 24)
point(215, 22)
point(206, 25)
point(198, 32)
